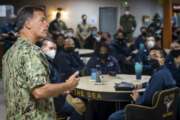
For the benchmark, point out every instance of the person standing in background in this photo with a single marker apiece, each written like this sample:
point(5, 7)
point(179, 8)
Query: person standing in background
point(83, 30)
point(128, 23)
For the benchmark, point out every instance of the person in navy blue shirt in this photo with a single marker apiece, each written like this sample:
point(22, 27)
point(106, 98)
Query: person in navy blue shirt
point(103, 61)
point(122, 52)
point(174, 65)
point(94, 38)
point(62, 107)
point(141, 38)
point(143, 55)
point(160, 80)
point(172, 61)
point(67, 60)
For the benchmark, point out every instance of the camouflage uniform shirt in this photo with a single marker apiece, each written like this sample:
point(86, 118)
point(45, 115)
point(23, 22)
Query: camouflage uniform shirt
point(25, 68)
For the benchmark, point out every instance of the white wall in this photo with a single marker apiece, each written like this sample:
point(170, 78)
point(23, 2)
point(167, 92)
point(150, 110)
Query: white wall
point(73, 9)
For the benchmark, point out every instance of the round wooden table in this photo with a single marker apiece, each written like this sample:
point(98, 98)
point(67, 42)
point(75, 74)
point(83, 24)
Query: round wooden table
point(105, 91)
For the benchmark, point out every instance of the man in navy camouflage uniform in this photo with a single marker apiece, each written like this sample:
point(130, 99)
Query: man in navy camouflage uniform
point(26, 74)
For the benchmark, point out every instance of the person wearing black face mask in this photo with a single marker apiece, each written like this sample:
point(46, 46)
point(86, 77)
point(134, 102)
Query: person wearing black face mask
point(174, 65)
point(68, 61)
point(93, 39)
point(121, 51)
point(103, 61)
point(141, 38)
point(152, 64)
point(83, 30)
point(160, 80)
point(69, 49)
point(103, 56)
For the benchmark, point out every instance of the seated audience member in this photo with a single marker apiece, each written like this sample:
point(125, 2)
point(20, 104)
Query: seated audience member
point(160, 80)
point(142, 55)
point(176, 34)
point(122, 52)
point(68, 61)
point(70, 34)
point(174, 65)
point(60, 41)
point(93, 39)
point(175, 45)
point(141, 38)
point(172, 60)
point(103, 61)
point(62, 106)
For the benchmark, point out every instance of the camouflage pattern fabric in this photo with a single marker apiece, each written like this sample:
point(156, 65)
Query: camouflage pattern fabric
point(24, 69)
point(129, 24)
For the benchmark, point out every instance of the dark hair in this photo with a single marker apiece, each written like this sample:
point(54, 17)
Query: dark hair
point(24, 14)
point(143, 27)
point(175, 53)
point(177, 41)
point(58, 14)
point(83, 15)
point(162, 52)
point(49, 38)
point(98, 47)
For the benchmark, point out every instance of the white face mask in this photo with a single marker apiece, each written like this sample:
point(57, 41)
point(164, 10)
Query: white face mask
point(150, 44)
point(127, 12)
point(70, 34)
point(51, 53)
point(98, 39)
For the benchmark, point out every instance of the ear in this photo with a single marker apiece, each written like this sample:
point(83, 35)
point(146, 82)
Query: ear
point(28, 24)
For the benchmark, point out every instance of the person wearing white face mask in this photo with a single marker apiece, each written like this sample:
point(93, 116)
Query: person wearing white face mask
point(150, 42)
point(143, 55)
point(62, 104)
point(49, 48)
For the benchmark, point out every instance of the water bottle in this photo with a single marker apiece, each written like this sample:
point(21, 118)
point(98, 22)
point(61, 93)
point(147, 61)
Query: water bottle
point(93, 74)
point(138, 70)
point(98, 79)
point(141, 47)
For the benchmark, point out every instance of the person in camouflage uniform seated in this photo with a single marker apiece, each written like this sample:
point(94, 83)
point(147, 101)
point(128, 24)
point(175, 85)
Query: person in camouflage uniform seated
point(28, 93)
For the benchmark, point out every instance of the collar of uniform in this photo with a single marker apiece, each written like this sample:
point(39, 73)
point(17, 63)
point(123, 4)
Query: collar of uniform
point(26, 40)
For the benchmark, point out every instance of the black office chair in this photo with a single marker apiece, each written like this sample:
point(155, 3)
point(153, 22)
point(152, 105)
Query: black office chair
point(164, 107)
